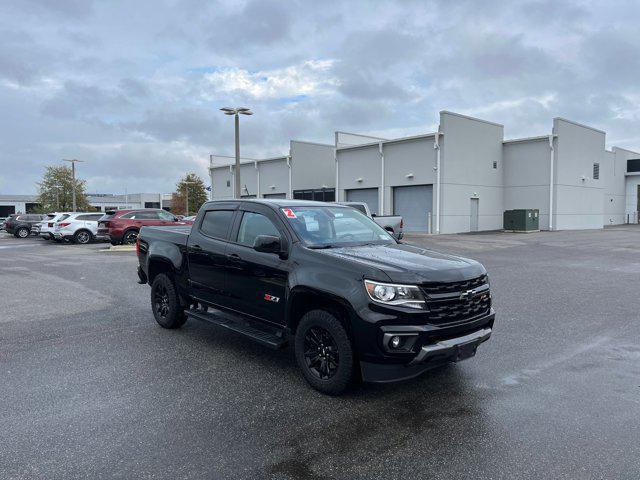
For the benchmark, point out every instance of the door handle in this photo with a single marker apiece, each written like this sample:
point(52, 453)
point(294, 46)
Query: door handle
point(233, 256)
point(196, 247)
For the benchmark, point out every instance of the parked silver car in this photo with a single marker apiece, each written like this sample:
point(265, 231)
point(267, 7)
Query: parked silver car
point(391, 223)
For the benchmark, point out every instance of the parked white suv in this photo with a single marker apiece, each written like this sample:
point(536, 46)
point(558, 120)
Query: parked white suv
point(44, 229)
point(79, 227)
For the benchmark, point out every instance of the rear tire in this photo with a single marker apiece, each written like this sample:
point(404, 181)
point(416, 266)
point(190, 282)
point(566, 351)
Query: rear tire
point(324, 352)
point(22, 232)
point(130, 238)
point(82, 237)
point(165, 303)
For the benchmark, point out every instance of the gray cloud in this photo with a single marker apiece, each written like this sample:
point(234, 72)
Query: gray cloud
point(129, 88)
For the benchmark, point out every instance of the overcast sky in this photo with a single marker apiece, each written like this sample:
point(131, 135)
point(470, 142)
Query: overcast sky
point(134, 88)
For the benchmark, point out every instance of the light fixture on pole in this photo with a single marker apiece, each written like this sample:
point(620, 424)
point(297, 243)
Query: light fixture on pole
point(73, 173)
point(236, 112)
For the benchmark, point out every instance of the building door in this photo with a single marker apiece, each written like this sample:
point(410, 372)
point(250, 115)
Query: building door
point(415, 204)
point(365, 195)
point(473, 221)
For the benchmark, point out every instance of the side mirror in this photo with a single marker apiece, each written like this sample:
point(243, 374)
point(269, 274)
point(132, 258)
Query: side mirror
point(267, 244)
point(374, 215)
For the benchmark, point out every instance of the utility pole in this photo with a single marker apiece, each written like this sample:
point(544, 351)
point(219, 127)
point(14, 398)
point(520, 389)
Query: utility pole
point(187, 196)
point(57, 187)
point(237, 112)
point(73, 173)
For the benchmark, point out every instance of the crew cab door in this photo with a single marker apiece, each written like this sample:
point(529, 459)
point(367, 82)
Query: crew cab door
point(206, 253)
point(257, 281)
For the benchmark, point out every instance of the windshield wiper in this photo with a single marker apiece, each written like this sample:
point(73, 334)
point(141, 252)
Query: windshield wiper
point(321, 247)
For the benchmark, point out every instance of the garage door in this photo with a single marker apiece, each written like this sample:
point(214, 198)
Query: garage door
point(366, 195)
point(275, 195)
point(414, 203)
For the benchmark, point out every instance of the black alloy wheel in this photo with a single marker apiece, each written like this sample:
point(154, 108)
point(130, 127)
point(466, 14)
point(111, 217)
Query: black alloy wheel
point(130, 237)
point(165, 303)
point(324, 352)
point(161, 301)
point(321, 353)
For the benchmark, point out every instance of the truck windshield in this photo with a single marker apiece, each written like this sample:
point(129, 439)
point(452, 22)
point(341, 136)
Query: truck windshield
point(327, 226)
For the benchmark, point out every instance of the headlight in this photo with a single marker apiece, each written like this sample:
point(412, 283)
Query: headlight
point(391, 294)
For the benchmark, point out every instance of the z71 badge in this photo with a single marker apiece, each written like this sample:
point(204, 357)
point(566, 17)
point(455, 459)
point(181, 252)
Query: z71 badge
point(271, 298)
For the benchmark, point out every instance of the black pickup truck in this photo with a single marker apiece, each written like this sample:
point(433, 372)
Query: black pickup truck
point(355, 302)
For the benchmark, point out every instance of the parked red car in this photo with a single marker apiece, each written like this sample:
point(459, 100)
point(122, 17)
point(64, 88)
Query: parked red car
point(122, 226)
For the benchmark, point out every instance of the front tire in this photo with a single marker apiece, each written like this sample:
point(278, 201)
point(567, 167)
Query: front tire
point(324, 353)
point(165, 303)
point(22, 232)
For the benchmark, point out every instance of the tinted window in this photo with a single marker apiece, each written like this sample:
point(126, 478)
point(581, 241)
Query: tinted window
point(360, 208)
point(216, 223)
point(126, 215)
point(254, 224)
point(89, 218)
point(166, 216)
point(146, 216)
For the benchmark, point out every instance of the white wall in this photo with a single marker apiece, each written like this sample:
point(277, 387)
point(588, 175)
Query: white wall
point(362, 163)
point(526, 176)
point(313, 165)
point(469, 148)
point(578, 203)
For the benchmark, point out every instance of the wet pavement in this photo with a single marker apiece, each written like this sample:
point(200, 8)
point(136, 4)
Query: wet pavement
point(92, 387)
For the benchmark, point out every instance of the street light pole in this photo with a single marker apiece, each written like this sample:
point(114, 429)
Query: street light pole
point(57, 187)
point(187, 197)
point(236, 112)
point(73, 173)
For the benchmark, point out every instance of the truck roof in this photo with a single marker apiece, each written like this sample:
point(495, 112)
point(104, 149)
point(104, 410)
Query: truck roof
point(278, 202)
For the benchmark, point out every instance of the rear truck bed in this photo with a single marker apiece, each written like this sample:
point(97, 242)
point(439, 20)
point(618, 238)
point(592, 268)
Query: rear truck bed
point(168, 243)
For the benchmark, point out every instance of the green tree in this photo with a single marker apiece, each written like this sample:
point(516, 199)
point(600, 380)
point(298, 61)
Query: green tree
point(192, 187)
point(56, 191)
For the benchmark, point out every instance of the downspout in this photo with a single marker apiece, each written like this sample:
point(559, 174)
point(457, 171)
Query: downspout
point(335, 162)
point(211, 176)
point(255, 165)
point(289, 166)
point(381, 208)
point(232, 173)
point(551, 154)
point(436, 145)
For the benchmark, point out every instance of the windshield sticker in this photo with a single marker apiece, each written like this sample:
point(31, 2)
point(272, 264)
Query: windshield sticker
point(289, 213)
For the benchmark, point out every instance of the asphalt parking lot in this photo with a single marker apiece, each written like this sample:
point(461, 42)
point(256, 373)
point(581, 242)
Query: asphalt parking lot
point(91, 387)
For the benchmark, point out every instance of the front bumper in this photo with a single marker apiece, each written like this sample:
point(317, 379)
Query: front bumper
point(453, 348)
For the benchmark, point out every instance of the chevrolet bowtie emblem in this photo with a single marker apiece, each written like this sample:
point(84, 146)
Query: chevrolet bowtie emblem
point(467, 295)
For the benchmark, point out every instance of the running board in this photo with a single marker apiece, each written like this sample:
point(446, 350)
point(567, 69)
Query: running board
point(269, 337)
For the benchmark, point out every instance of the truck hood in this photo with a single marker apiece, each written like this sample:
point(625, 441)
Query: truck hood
point(404, 263)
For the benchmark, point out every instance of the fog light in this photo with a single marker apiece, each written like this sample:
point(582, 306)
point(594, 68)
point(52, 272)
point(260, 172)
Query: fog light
point(395, 341)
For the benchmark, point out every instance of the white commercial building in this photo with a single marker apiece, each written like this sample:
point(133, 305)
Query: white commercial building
point(460, 178)
point(10, 204)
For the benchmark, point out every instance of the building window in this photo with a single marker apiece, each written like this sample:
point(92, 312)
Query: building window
point(495, 165)
point(228, 183)
point(317, 194)
point(633, 165)
point(596, 171)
